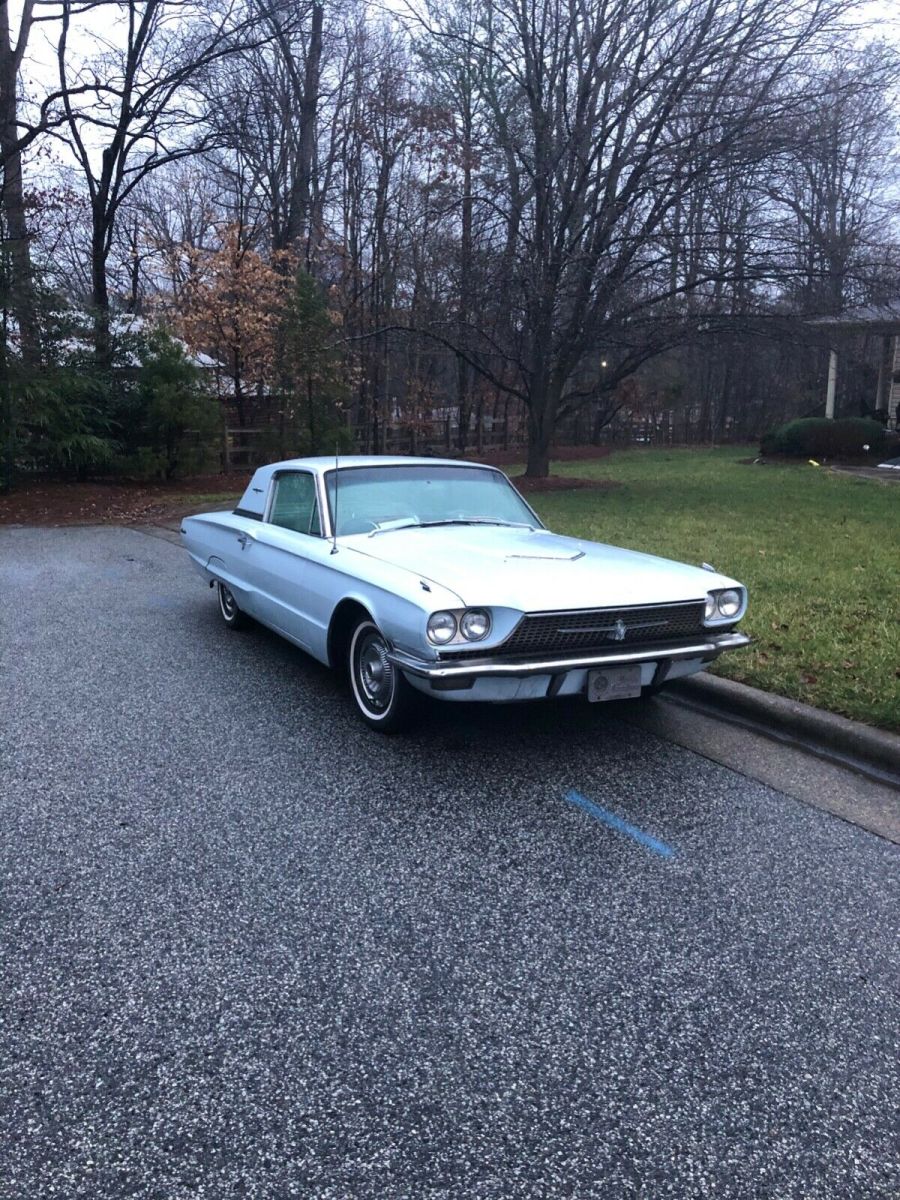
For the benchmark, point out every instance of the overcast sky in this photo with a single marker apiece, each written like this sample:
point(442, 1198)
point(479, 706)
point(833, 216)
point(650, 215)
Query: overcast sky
point(881, 17)
point(876, 18)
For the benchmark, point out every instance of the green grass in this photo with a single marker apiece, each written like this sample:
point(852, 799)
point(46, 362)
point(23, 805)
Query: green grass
point(820, 554)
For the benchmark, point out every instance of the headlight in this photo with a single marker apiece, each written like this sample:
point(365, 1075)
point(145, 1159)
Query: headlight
point(723, 606)
point(729, 603)
point(475, 625)
point(441, 628)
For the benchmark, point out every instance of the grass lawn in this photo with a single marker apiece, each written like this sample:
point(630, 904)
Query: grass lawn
point(820, 554)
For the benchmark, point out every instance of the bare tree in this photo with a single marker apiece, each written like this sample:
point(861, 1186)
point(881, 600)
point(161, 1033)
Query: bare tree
point(832, 176)
point(141, 115)
point(505, 205)
point(609, 113)
point(17, 133)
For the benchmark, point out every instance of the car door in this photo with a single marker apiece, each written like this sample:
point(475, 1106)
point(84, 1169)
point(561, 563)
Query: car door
point(288, 552)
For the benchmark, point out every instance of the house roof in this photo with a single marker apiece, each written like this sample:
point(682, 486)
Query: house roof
point(120, 324)
point(864, 318)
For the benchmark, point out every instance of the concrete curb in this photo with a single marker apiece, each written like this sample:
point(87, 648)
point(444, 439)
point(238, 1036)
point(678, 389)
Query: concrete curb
point(872, 751)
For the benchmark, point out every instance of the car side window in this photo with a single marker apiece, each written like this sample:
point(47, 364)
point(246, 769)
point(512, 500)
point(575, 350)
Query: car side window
point(295, 505)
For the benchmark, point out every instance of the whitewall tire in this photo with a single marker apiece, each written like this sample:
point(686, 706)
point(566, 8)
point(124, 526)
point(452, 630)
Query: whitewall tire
point(383, 697)
point(228, 607)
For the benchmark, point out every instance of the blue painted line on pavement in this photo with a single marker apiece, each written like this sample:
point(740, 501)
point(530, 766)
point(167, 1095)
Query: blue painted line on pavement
point(619, 825)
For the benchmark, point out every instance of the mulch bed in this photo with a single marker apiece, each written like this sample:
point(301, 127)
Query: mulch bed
point(563, 483)
point(102, 502)
point(93, 503)
point(507, 458)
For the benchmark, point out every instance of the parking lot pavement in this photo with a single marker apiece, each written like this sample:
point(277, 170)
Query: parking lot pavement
point(251, 949)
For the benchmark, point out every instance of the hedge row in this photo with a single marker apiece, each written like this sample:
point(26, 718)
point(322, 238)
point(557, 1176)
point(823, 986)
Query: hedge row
point(817, 437)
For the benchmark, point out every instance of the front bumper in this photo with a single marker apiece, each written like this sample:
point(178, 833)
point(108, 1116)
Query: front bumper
point(446, 671)
point(505, 679)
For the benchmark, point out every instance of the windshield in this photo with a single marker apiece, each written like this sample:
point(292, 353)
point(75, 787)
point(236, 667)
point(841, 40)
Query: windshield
point(378, 499)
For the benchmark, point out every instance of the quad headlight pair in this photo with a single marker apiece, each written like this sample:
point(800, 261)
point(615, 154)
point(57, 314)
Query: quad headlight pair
point(723, 605)
point(468, 625)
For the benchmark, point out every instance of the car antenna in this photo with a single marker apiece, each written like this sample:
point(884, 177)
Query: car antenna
point(334, 514)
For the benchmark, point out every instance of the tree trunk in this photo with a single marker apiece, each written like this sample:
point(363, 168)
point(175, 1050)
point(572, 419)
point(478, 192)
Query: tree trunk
point(463, 369)
point(538, 461)
point(298, 223)
point(100, 291)
point(134, 268)
point(542, 411)
point(22, 291)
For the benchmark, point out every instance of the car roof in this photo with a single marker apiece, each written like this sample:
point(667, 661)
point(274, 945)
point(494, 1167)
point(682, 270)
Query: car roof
point(327, 462)
point(253, 501)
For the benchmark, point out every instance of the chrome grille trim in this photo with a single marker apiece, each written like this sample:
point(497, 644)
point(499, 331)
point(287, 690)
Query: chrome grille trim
point(578, 630)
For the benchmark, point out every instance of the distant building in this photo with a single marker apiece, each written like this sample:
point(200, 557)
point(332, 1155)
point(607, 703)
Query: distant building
point(882, 320)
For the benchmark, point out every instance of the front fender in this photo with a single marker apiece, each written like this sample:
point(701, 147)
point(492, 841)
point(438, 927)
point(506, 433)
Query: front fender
point(402, 621)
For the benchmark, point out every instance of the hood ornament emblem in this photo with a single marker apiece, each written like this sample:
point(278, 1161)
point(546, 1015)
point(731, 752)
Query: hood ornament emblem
point(619, 630)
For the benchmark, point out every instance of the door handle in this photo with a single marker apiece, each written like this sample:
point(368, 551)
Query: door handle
point(245, 539)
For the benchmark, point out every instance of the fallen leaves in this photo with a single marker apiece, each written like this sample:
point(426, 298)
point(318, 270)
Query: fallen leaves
point(59, 503)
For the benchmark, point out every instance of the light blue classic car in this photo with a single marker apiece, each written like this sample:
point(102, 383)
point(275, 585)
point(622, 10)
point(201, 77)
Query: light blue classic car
point(425, 575)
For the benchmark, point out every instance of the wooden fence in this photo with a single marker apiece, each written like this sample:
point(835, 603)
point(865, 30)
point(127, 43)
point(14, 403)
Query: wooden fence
point(247, 447)
point(244, 446)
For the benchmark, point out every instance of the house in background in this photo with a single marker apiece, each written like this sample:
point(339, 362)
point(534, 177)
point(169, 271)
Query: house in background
point(874, 320)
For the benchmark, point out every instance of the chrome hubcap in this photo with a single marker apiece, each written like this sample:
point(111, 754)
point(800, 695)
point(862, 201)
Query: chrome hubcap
point(375, 672)
point(229, 607)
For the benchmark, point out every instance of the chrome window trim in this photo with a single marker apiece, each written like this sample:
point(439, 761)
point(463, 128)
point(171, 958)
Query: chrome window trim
point(270, 501)
point(538, 523)
point(324, 510)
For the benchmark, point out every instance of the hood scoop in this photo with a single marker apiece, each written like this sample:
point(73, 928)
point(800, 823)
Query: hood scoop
point(549, 557)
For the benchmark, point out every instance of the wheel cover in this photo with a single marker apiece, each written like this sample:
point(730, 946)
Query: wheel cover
point(227, 602)
point(374, 672)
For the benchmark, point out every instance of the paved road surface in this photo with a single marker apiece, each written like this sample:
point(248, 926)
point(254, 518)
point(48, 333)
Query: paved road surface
point(252, 950)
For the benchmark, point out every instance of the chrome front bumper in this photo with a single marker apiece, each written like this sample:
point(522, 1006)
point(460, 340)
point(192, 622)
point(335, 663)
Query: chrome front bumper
point(474, 668)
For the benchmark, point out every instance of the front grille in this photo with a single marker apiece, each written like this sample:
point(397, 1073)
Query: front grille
point(595, 629)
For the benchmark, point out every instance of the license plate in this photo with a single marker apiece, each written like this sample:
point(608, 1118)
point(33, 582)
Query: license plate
point(614, 683)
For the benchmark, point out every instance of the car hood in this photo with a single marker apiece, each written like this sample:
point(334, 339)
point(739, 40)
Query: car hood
point(535, 570)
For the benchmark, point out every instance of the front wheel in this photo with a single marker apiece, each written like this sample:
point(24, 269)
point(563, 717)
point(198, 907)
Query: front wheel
point(382, 695)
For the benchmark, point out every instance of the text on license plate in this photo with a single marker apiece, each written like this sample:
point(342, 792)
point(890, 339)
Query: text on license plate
point(614, 683)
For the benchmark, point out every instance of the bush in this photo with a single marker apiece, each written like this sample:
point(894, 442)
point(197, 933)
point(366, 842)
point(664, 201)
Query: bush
point(168, 421)
point(59, 425)
point(817, 437)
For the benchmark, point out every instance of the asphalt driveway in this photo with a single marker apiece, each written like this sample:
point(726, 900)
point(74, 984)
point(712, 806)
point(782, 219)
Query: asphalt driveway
point(250, 949)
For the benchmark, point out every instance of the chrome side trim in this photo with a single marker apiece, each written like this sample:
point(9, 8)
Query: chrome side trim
point(444, 670)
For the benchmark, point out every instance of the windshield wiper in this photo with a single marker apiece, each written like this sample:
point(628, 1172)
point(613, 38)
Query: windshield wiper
point(392, 526)
point(481, 521)
point(396, 523)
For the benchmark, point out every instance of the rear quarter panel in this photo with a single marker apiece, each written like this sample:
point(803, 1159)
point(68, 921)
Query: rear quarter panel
point(211, 540)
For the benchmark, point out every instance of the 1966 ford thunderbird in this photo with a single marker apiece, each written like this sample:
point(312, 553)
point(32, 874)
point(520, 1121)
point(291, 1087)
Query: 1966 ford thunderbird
point(435, 576)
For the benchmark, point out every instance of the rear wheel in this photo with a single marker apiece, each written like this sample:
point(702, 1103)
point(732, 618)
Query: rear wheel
point(228, 607)
point(382, 695)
